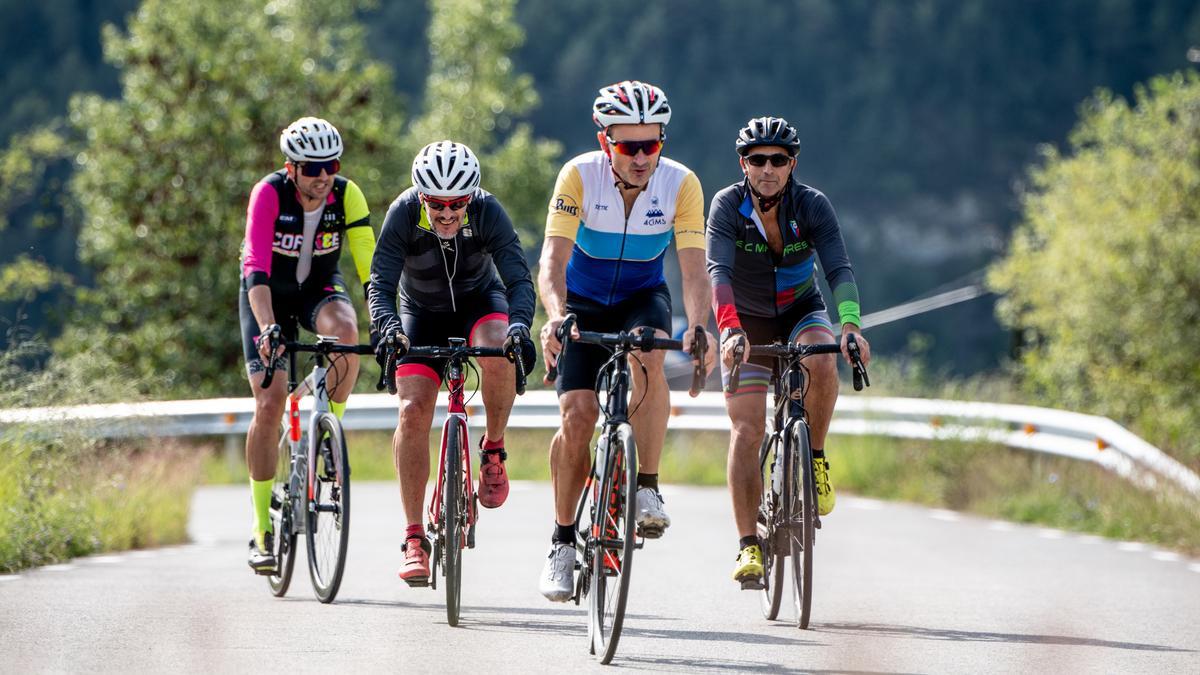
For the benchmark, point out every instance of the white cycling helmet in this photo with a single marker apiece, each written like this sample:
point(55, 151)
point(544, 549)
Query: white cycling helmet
point(445, 169)
point(310, 139)
point(631, 102)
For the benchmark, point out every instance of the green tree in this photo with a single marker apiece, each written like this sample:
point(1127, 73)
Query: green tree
point(166, 170)
point(1102, 273)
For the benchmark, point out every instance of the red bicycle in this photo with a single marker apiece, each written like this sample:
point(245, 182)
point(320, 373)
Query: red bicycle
point(454, 508)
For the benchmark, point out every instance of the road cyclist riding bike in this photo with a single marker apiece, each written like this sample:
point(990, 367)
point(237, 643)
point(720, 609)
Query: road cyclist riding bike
point(311, 495)
point(765, 235)
point(298, 221)
point(448, 265)
point(613, 213)
point(605, 517)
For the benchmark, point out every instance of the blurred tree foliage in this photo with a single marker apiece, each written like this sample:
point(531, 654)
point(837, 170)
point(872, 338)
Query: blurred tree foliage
point(1102, 274)
point(165, 171)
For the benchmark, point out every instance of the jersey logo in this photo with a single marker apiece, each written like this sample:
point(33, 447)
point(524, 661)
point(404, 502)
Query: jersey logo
point(795, 227)
point(565, 204)
point(655, 213)
point(466, 232)
point(287, 218)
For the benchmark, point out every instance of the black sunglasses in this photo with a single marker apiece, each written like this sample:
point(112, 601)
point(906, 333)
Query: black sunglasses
point(314, 169)
point(777, 160)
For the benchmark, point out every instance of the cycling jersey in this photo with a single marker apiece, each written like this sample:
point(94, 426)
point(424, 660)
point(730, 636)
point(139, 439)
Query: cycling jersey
point(434, 274)
point(275, 238)
point(615, 255)
point(749, 278)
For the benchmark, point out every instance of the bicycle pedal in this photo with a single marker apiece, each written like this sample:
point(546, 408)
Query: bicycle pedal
point(650, 532)
point(417, 582)
point(753, 585)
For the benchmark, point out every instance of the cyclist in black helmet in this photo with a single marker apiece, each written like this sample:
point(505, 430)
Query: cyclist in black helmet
point(764, 236)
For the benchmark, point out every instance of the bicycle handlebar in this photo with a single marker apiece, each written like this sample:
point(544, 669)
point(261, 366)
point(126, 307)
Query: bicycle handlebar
point(321, 346)
point(445, 352)
point(643, 340)
point(792, 350)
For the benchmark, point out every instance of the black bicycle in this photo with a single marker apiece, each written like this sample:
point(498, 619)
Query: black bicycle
point(311, 495)
point(454, 506)
point(787, 513)
point(605, 519)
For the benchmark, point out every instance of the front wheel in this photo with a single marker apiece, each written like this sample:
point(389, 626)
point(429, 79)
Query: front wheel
point(802, 518)
point(612, 540)
point(774, 546)
point(453, 517)
point(328, 513)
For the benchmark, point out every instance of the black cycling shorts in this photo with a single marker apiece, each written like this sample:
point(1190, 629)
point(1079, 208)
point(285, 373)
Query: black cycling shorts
point(291, 310)
point(806, 316)
point(425, 328)
point(580, 363)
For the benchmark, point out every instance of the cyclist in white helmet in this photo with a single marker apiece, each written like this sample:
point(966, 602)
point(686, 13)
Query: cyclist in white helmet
point(299, 219)
point(451, 250)
point(612, 215)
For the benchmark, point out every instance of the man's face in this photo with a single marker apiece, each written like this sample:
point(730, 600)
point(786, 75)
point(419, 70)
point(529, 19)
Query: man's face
point(315, 187)
point(642, 140)
point(759, 165)
point(445, 214)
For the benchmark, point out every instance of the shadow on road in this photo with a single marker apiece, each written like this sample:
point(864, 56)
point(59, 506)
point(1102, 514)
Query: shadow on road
point(691, 665)
point(882, 630)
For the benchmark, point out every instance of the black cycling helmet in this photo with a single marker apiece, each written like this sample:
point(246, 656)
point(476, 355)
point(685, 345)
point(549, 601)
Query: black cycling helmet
point(768, 131)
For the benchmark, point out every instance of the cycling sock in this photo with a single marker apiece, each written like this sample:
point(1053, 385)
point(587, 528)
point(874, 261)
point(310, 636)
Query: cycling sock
point(649, 480)
point(489, 444)
point(819, 454)
point(563, 534)
point(752, 540)
point(260, 496)
point(414, 530)
point(338, 409)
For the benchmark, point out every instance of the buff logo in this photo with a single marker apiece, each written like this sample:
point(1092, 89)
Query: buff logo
point(564, 204)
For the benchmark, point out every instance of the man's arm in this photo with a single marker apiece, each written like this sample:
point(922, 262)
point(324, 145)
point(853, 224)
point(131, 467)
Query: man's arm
point(831, 250)
point(552, 284)
point(508, 256)
point(360, 238)
point(689, 244)
point(386, 267)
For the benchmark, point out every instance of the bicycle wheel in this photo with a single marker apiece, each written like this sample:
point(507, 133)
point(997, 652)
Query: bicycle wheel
point(613, 539)
point(282, 521)
point(328, 513)
point(774, 547)
point(453, 519)
point(802, 516)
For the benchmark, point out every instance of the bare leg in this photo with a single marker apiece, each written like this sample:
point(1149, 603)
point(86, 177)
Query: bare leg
point(570, 458)
point(650, 420)
point(410, 444)
point(337, 318)
point(499, 380)
point(748, 414)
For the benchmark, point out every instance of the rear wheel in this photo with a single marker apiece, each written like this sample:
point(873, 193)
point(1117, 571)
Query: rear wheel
point(774, 546)
point(282, 521)
point(328, 524)
point(454, 507)
point(612, 539)
point(802, 520)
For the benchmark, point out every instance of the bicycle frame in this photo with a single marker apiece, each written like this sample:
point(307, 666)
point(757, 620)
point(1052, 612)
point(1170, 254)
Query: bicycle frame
point(456, 414)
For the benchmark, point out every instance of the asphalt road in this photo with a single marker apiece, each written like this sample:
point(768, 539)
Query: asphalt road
point(900, 589)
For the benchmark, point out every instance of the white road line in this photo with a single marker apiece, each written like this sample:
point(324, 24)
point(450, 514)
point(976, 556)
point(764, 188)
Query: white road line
point(1195, 567)
point(948, 516)
point(104, 559)
point(1131, 546)
point(1166, 556)
point(9, 577)
point(864, 504)
point(143, 554)
point(64, 567)
point(1050, 534)
point(1001, 526)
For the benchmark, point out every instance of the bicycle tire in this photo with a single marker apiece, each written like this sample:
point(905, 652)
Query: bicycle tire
point(612, 559)
point(774, 547)
point(282, 518)
point(802, 521)
point(452, 517)
point(327, 533)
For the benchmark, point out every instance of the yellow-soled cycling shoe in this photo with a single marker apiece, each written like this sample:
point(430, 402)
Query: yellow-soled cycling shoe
point(749, 568)
point(825, 495)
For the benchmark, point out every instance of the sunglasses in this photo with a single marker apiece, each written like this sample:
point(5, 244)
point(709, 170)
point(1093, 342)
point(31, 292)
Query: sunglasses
point(440, 205)
point(631, 148)
point(777, 160)
point(314, 169)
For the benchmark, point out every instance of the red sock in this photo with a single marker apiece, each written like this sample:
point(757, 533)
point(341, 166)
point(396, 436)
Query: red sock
point(492, 445)
point(417, 530)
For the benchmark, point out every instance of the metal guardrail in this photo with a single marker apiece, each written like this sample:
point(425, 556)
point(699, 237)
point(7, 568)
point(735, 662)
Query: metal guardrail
point(1058, 432)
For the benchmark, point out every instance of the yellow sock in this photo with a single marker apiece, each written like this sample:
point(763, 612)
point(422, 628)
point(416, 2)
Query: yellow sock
point(338, 409)
point(260, 495)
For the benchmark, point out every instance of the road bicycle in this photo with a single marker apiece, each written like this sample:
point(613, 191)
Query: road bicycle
point(454, 507)
point(606, 515)
point(787, 512)
point(311, 495)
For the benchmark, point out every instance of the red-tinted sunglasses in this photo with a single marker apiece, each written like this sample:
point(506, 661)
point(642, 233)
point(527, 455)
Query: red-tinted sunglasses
point(440, 205)
point(631, 148)
point(314, 169)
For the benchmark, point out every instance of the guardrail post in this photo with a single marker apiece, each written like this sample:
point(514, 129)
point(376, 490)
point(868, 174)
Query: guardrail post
point(235, 452)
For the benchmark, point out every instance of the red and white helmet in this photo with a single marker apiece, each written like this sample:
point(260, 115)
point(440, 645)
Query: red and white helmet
point(310, 139)
point(631, 102)
point(445, 169)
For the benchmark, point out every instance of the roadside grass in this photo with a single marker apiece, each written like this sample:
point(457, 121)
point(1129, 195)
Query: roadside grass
point(984, 479)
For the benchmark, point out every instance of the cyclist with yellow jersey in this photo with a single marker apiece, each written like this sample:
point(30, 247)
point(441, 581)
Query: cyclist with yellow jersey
point(613, 213)
point(298, 220)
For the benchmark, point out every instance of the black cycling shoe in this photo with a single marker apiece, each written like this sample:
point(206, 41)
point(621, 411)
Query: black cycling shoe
point(263, 561)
